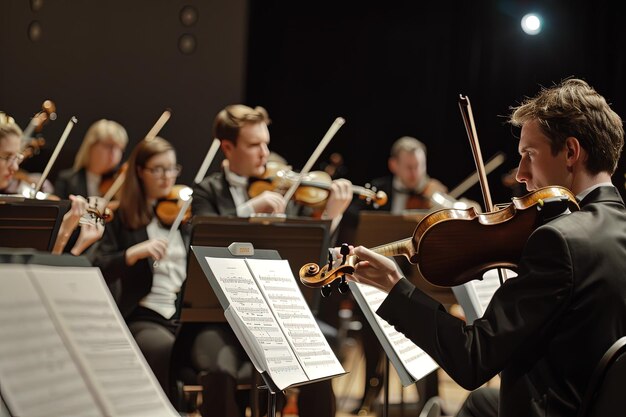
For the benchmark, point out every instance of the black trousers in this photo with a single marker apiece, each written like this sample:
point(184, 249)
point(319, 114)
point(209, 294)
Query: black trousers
point(482, 402)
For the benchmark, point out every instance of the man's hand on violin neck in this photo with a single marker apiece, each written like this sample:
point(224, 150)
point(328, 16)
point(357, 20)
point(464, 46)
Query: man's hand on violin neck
point(339, 199)
point(372, 269)
point(268, 202)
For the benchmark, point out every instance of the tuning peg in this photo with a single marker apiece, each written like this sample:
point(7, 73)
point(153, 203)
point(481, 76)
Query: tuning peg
point(326, 291)
point(343, 285)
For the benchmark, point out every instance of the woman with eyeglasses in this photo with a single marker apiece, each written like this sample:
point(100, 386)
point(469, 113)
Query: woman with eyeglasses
point(146, 292)
point(10, 156)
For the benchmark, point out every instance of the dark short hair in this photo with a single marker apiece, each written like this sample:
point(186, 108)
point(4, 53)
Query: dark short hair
point(574, 109)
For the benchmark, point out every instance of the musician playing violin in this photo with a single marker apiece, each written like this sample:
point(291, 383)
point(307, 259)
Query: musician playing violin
point(146, 294)
point(545, 330)
point(245, 137)
point(97, 159)
point(15, 180)
point(10, 156)
point(409, 187)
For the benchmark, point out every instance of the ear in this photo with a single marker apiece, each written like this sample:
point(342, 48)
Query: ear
point(227, 147)
point(392, 164)
point(572, 151)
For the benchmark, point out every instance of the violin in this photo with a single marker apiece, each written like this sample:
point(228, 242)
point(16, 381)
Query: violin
point(432, 196)
point(110, 185)
point(313, 188)
point(23, 181)
point(502, 235)
point(167, 209)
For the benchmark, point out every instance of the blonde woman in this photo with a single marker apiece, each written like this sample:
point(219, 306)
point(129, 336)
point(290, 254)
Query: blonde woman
point(96, 160)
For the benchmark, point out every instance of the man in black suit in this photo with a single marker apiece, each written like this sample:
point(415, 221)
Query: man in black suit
point(409, 186)
point(545, 330)
point(245, 138)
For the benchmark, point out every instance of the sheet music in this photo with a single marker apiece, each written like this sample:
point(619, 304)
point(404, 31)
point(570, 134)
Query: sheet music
point(38, 376)
point(416, 362)
point(245, 298)
point(65, 350)
point(282, 293)
point(102, 342)
point(479, 293)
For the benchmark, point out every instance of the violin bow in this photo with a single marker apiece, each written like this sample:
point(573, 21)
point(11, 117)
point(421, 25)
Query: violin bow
point(165, 116)
point(470, 127)
point(468, 182)
point(339, 121)
point(215, 145)
point(57, 149)
point(152, 133)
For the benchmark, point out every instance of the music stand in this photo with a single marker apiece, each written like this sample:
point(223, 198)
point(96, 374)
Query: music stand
point(244, 250)
point(299, 240)
point(378, 228)
point(30, 223)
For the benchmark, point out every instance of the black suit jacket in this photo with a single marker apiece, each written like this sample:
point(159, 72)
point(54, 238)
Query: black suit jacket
point(212, 197)
point(128, 284)
point(71, 182)
point(544, 330)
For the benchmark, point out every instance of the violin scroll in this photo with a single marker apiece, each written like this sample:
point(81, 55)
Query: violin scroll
point(313, 276)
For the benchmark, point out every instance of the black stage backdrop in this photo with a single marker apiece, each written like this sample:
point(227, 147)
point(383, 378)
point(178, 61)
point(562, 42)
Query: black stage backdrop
point(392, 69)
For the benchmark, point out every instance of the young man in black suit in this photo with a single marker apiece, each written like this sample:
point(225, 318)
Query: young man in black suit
point(545, 330)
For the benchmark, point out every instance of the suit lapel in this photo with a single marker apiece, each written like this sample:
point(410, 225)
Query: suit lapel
point(225, 202)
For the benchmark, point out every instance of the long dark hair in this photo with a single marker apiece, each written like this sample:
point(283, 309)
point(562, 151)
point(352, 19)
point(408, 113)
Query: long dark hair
point(134, 210)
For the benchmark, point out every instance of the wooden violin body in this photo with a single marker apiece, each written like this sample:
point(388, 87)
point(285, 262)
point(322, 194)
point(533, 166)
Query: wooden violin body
point(167, 208)
point(452, 246)
point(314, 187)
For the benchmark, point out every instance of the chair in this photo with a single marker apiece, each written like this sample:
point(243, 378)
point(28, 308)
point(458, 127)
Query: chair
point(605, 393)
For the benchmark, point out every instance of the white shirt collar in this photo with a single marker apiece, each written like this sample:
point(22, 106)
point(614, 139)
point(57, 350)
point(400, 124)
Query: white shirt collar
point(235, 180)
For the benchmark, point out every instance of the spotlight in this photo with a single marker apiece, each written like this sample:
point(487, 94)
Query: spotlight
point(531, 24)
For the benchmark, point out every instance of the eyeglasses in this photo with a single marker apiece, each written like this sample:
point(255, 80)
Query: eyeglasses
point(159, 171)
point(10, 159)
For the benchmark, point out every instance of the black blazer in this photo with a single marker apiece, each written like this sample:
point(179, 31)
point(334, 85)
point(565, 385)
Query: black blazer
point(212, 197)
point(128, 284)
point(544, 330)
point(71, 182)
